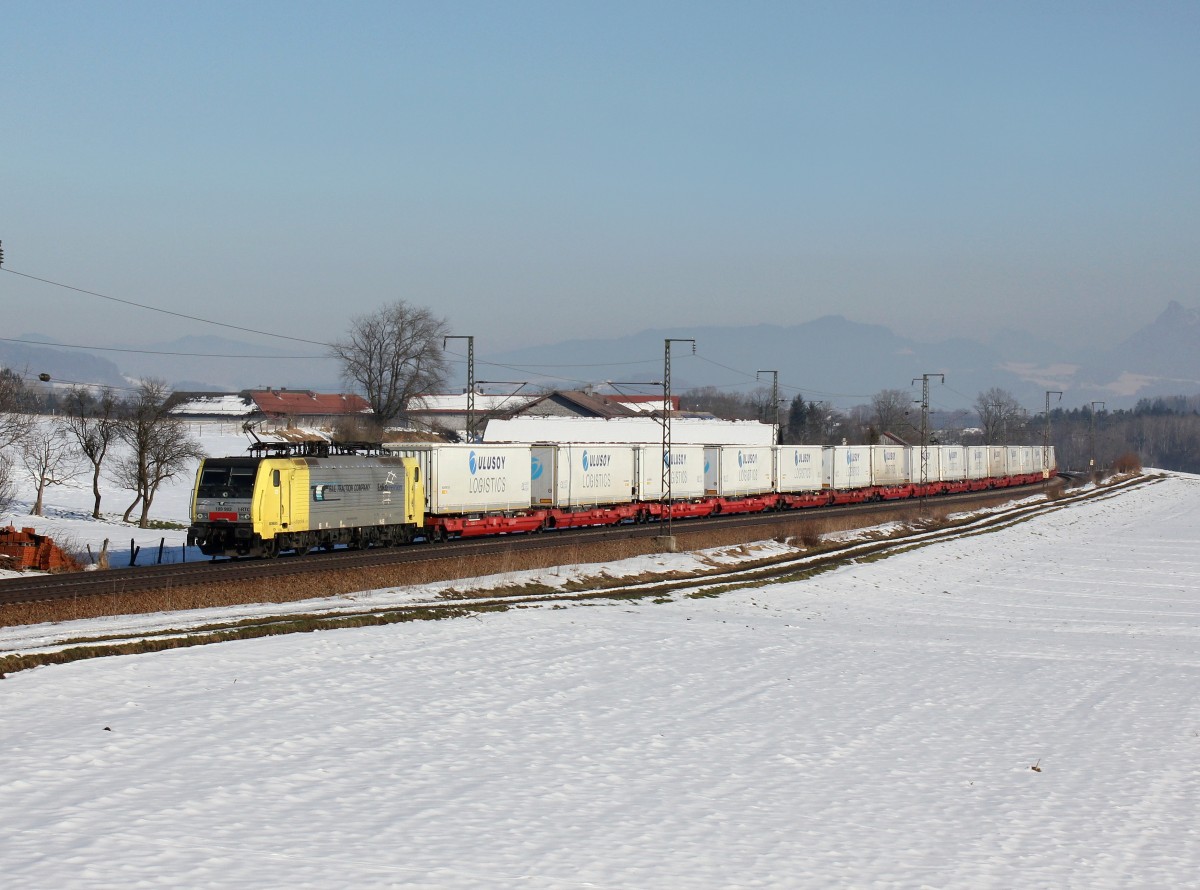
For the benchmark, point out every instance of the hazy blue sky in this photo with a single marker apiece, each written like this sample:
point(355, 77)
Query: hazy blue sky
point(544, 171)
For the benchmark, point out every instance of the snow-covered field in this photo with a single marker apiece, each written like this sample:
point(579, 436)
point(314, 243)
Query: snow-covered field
point(874, 726)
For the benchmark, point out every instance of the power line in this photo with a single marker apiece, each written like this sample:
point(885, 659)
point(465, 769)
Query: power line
point(164, 311)
point(54, 381)
point(798, 389)
point(482, 361)
point(153, 351)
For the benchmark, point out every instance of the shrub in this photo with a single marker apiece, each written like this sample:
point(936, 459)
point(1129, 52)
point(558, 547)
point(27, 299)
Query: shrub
point(1128, 462)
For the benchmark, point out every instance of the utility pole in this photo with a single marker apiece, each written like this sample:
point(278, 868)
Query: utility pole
point(666, 422)
point(774, 401)
point(1093, 460)
point(470, 380)
point(924, 378)
point(1046, 435)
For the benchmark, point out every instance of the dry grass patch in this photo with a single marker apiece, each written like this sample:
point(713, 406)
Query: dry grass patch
point(323, 584)
point(297, 624)
point(810, 528)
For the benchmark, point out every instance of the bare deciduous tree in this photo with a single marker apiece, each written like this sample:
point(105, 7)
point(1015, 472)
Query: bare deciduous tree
point(889, 410)
point(16, 421)
point(92, 422)
point(999, 414)
point(159, 447)
point(50, 459)
point(15, 426)
point(8, 491)
point(394, 355)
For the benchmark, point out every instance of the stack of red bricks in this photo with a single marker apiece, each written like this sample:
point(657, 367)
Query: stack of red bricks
point(27, 549)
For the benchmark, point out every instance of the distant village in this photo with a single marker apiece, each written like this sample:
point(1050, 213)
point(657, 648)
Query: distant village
point(439, 416)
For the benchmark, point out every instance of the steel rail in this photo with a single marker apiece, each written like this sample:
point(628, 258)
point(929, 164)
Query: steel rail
point(123, 581)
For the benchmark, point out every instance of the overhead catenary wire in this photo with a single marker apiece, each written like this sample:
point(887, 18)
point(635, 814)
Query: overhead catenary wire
point(55, 381)
point(137, 305)
point(153, 351)
point(530, 368)
point(782, 385)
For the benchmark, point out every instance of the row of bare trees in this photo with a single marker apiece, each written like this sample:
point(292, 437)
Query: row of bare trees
point(79, 437)
point(1165, 438)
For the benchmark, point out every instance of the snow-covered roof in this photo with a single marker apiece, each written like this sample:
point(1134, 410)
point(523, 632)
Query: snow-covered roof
point(222, 405)
point(684, 430)
point(643, 405)
point(457, 402)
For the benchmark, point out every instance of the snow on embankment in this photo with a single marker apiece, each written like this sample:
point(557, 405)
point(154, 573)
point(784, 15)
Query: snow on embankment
point(876, 725)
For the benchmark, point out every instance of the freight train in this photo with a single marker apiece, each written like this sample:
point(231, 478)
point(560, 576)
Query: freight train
point(301, 497)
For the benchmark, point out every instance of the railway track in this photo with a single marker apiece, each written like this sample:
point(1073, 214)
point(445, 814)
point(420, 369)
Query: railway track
point(126, 581)
point(37, 646)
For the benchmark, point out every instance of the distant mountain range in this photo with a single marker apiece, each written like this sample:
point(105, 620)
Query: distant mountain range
point(829, 358)
point(845, 362)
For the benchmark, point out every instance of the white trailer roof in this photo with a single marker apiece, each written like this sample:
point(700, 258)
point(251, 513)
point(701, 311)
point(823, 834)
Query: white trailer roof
point(684, 430)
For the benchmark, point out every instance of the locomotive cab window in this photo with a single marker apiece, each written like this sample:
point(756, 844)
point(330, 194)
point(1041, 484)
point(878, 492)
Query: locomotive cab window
point(275, 478)
point(228, 478)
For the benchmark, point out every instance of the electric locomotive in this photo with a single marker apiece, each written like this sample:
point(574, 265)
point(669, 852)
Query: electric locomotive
point(262, 505)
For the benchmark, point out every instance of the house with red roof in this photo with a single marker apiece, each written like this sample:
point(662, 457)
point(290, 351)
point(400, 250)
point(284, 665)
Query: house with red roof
point(303, 407)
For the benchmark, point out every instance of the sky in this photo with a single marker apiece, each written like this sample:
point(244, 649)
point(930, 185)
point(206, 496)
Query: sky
point(537, 172)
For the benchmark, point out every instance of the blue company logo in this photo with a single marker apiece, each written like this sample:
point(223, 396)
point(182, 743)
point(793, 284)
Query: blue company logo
point(706, 466)
point(739, 458)
point(535, 468)
point(852, 457)
point(485, 462)
point(596, 461)
point(802, 458)
point(674, 460)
